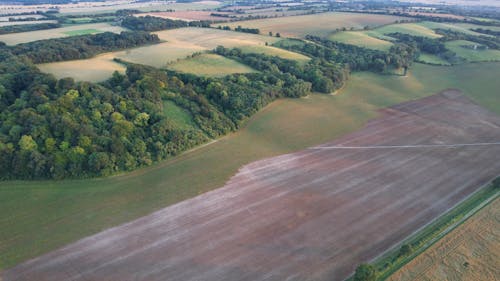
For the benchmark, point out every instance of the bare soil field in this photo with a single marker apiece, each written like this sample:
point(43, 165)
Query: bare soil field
point(309, 215)
point(469, 253)
point(187, 15)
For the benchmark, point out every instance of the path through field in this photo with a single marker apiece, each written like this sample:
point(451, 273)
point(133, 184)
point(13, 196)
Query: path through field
point(309, 215)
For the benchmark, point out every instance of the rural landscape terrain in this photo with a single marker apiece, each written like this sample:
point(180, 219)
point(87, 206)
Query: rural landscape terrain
point(249, 140)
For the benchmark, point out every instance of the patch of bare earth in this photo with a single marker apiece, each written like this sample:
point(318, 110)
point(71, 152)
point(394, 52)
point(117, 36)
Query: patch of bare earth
point(469, 253)
point(310, 215)
point(189, 15)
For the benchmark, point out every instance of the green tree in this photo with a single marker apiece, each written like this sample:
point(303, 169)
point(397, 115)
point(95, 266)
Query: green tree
point(365, 272)
point(26, 143)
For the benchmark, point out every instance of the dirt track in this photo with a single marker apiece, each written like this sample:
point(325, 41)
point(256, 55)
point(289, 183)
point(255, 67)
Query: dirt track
point(310, 215)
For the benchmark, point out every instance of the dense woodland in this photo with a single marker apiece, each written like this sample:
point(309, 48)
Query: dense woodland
point(149, 23)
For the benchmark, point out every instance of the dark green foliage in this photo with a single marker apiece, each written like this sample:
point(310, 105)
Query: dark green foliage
point(81, 47)
point(323, 75)
point(27, 27)
point(496, 182)
point(365, 272)
point(247, 30)
point(149, 23)
point(425, 44)
point(492, 42)
point(405, 250)
point(356, 58)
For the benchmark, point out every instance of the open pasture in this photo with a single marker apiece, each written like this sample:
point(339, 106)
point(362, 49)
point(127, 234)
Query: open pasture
point(309, 215)
point(415, 29)
point(432, 59)
point(459, 27)
point(322, 24)
point(469, 253)
point(24, 37)
point(361, 39)
point(210, 65)
point(96, 69)
point(45, 215)
point(465, 49)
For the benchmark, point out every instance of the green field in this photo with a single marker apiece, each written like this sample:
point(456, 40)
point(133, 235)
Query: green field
point(210, 65)
point(415, 29)
point(432, 59)
point(178, 115)
point(273, 51)
point(459, 27)
point(322, 24)
point(24, 37)
point(43, 215)
point(471, 55)
point(362, 39)
point(82, 32)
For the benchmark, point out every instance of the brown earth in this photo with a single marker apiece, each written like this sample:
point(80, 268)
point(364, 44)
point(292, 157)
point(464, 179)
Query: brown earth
point(469, 253)
point(188, 15)
point(310, 215)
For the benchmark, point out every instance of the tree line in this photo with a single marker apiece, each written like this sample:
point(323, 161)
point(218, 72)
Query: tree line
point(81, 47)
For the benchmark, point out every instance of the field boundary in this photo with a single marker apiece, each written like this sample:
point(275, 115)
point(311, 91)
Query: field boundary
point(407, 146)
point(434, 231)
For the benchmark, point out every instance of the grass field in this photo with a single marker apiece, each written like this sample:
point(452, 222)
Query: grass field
point(82, 32)
point(432, 59)
point(362, 39)
point(180, 44)
point(210, 65)
point(317, 24)
point(471, 55)
point(42, 216)
point(178, 115)
point(96, 69)
point(24, 37)
point(459, 27)
point(415, 29)
point(469, 252)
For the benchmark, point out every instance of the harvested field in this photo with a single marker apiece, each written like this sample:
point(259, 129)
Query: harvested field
point(8, 23)
point(187, 15)
point(24, 37)
point(310, 215)
point(362, 39)
point(317, 24)
point(471, 252)
point(96, 69)
point(180, 44)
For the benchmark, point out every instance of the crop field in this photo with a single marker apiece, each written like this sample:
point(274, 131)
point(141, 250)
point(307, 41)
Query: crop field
point(210, 65)
point(470, 54)
point(469, 253)
point(362, 39)
point(463, 28)
point(317, 24)
point(24, 37)
point(187, 15)
point(7, 23)
point(46, 215)
point(96, 69)
point(309, 215)
point(180, 44)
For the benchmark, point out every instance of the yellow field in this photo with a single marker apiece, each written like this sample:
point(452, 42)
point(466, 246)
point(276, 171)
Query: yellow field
point(96, 69)
point(362, 39)
point(414, 29)
point(210, 65)
point(24, 37)
point(180, 44)
point(317, 24)
point(471, 252)
point(7, 23)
